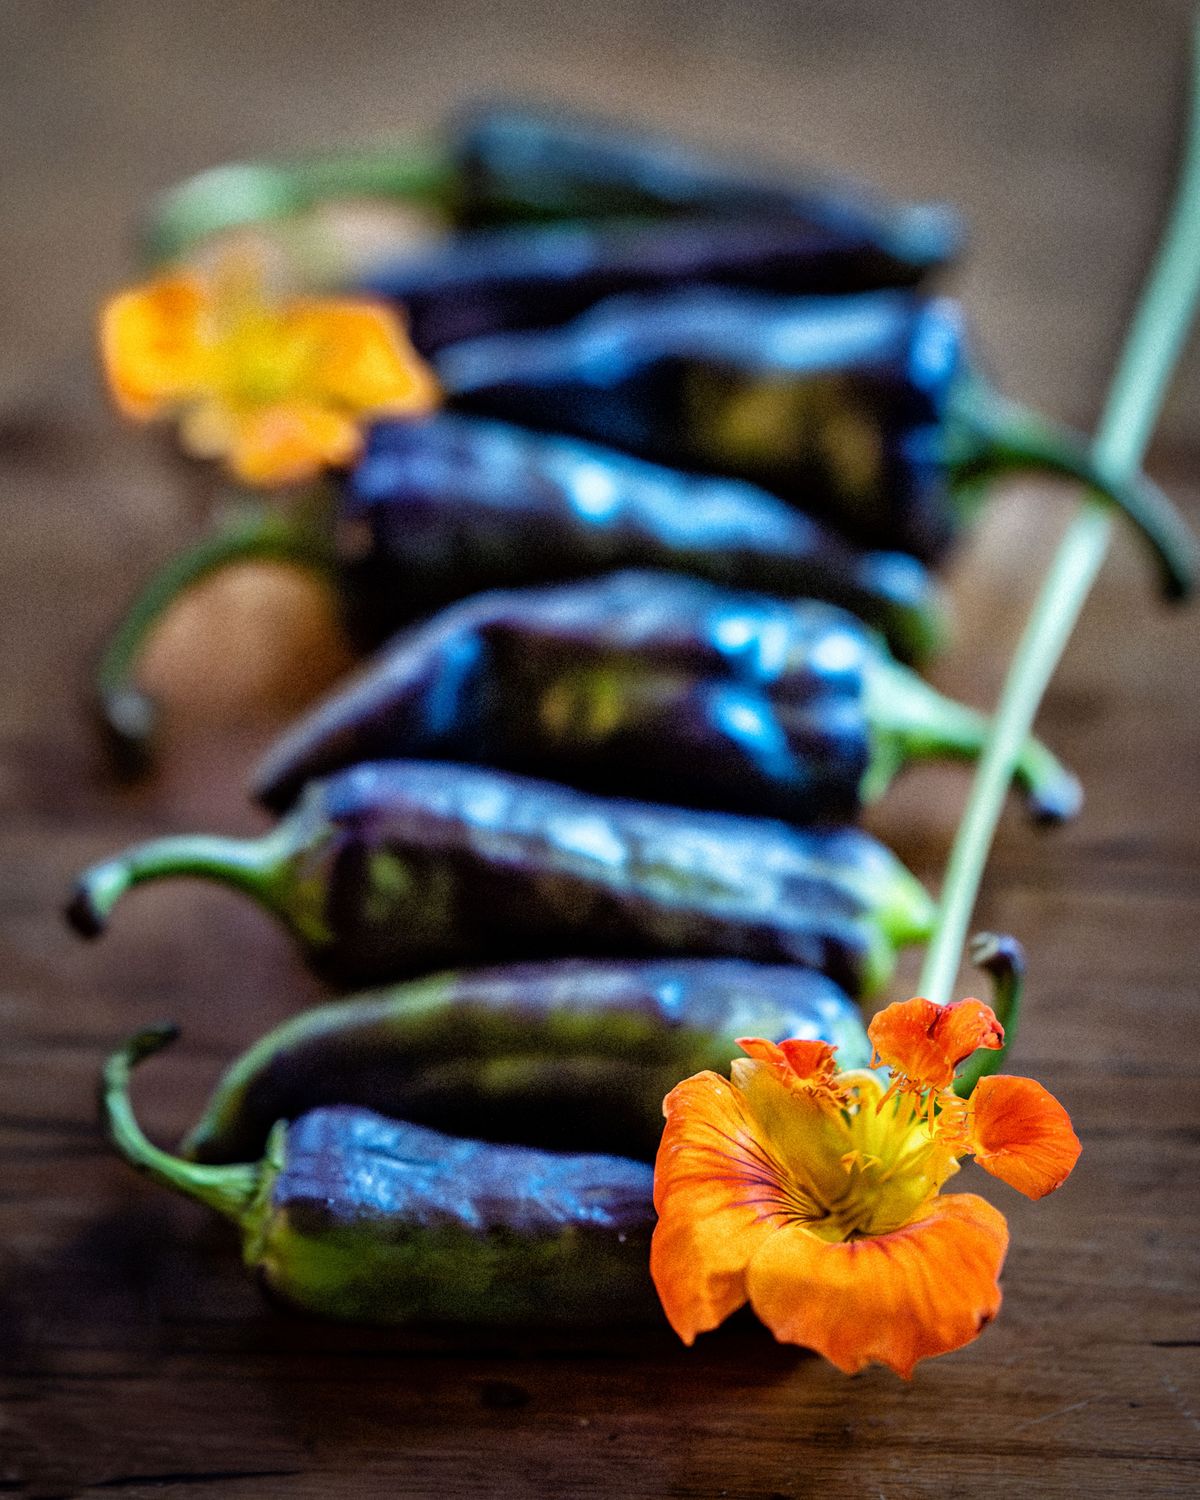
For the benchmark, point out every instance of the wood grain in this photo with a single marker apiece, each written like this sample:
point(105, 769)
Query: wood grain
point(137, 1358)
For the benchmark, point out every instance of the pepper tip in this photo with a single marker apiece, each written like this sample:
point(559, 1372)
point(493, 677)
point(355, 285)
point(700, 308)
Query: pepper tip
point(1056, 801)
point(127, 718)
point(150, 1039)
point(997, 953)
point(82, 912)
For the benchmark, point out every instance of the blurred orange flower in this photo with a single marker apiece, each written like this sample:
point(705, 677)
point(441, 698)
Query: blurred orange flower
point(277, 391)
point(814, 1194)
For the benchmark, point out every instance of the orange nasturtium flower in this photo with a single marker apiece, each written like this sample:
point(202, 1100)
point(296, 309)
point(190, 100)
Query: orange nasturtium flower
point(814, 1194)
point(279, 391)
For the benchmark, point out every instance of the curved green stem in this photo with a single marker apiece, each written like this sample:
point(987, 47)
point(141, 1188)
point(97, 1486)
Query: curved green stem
point(256, 866)
point(1155, 339)
point(1001, 436)
point(910, 720)
point(239, 194)
point(231, 1190)
point(1004, 959)
point(256, 533)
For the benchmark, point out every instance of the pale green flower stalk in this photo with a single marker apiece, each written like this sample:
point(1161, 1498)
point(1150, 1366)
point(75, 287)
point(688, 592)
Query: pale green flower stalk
point(1153, 344)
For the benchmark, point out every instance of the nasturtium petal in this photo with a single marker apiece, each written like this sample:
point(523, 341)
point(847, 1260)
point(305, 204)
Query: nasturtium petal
point(925, 1042)
point(152, 345)
point(1020, 1133)
point(291, 441)
point(800, 1125)
point(897, 1298)
point(209, 428)
point(797, 1061)
point(902, 1038)
point(719, 1193)
point(965, 1026)
point(362, 358)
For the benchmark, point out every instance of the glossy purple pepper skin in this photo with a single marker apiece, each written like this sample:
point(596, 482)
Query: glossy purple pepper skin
point(578, 1052)
point(637, 684)
point(442, 509)
point(523, 163)
point(352, 1215)
point(373, 1220)
point(492, 281)
point(862, 410)
point(835, 404)
point(429, 862)
point(399, 867)
point(656, 686)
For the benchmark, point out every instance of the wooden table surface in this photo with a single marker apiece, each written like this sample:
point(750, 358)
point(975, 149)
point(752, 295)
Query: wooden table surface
point(138, 1360)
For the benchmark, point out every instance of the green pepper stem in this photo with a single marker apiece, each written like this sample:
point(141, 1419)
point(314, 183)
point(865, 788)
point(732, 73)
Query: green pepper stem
point(910, 720)
point(255, 866)
point(254, 532)
point(1155, 339)
point(1000, 436)
point(1004, 959)
point(231, 1190)
point(913, 614)
point(239, 194)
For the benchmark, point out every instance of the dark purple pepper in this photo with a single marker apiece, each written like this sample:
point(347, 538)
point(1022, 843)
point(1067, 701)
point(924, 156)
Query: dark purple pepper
point(491, 281)
point(580, 1052)
point(392, 869)
point(861, 409)
point(519, 162)
point(650, 685)
point(354, 1216)
point(442, 509)
point(505, 164)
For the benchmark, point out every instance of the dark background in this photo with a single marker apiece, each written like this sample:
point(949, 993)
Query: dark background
point(138, 1359)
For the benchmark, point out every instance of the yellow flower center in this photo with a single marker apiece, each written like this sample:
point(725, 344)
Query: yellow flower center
point(863, 1166)
point(255, 363)
point(896, 1162)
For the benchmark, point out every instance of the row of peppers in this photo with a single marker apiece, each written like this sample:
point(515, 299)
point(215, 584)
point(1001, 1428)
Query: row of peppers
point(617, 476)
